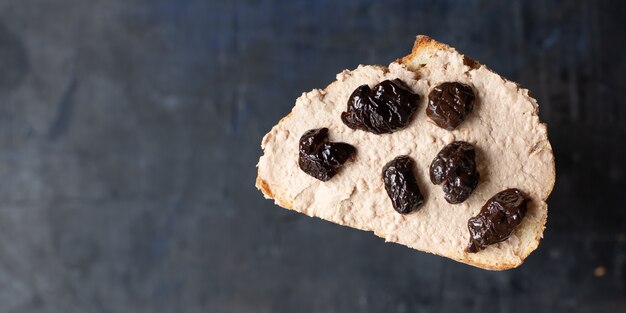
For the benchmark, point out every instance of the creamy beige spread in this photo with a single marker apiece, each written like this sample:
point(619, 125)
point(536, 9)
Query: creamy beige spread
point(512, 152)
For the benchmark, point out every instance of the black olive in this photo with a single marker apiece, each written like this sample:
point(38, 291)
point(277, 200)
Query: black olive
point(401, 185)
point(386, 108)
point(455, 168)
point(320, 158)
point(497, 219)
point(449, 103)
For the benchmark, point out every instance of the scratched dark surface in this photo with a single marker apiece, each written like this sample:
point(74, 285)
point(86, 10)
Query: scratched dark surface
point(130, 131)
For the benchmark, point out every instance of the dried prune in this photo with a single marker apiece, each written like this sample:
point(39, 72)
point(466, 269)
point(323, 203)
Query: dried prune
point(386, 108)
point(401, 185)
point(321, 158)
point(455, 168)
point(497, 219)
point(449, 104)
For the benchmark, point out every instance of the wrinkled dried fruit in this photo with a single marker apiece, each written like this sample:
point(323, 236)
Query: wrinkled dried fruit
point(320, 158)
point(401, 185)
point(455, 168)
point(386, 108)
point(449, 104)
point(497, 219)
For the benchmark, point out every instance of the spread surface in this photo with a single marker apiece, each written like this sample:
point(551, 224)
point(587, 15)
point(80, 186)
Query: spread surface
point(512, 151)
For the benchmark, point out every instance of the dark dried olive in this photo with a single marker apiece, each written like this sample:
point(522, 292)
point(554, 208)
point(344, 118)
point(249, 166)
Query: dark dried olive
point(401, 185)
point(497, 219)
point(449, 104)
point(455, 168)
point(320, 158)
point(386, 108)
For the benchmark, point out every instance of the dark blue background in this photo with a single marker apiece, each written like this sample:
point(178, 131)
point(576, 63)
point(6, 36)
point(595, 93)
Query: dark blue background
point(130, 131)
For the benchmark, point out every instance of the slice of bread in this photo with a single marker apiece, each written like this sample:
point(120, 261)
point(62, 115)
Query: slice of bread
point(511, 143)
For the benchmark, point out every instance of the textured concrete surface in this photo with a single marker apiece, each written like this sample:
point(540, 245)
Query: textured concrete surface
point(130, 130)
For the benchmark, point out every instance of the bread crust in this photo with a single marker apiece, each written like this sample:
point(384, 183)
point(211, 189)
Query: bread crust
point(423, 47)
point(422, 43)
